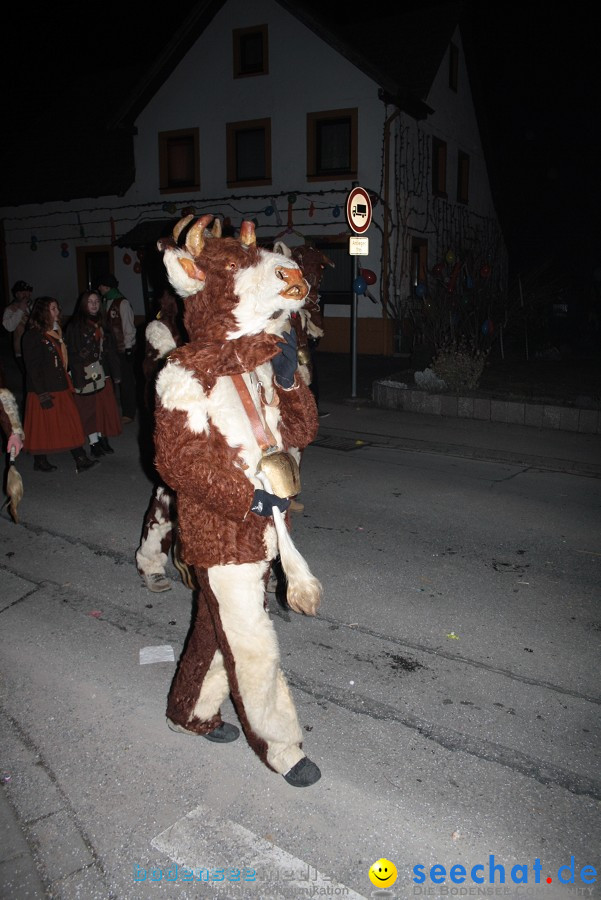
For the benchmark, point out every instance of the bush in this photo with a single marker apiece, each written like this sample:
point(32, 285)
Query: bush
point(460, 365)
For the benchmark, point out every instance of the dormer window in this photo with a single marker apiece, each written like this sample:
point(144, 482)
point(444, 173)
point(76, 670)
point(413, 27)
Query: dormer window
point(250, 51)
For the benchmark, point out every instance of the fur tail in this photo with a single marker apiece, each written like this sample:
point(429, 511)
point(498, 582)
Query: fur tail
point(304, 590)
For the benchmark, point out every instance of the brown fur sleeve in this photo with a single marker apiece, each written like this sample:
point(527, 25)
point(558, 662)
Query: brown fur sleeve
point(200, 466)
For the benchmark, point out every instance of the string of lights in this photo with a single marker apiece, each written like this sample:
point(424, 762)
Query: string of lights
point(91, 223)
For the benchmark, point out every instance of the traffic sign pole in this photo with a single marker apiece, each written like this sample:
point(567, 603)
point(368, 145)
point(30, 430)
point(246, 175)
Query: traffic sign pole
point(354, 334)
point(358, 214)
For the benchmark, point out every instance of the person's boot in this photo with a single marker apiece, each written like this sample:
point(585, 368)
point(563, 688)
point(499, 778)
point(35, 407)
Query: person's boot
point(41, 464)
point(96, 450)
point(104, 443)
point(82, 462)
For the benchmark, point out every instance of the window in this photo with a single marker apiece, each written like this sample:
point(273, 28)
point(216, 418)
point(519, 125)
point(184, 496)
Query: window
point(250, 51)
point(332, 145)
point(179, 164)
point(439, 167)
point(92, 262)
point(463, 177)
point(453, 66)
point(336, 283)
point(249, 152)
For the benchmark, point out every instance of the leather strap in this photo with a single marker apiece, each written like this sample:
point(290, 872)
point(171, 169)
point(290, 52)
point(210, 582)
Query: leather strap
point(265, 438)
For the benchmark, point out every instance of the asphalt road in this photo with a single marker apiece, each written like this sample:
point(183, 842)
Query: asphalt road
point(448, 689)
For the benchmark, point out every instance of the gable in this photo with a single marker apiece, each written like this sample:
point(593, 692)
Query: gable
point(88, 121)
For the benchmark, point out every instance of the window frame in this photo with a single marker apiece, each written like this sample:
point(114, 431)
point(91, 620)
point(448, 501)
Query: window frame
point(164, 139)
point(463, 177)
point(439, 167)
point(232, 130)
point(91, 262)
point(238, 36)
point(314, 120)
point(335, 246)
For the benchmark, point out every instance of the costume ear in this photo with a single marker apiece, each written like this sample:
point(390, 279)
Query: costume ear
point(191, 269)
point(284, 249)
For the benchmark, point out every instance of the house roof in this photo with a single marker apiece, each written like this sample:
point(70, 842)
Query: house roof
point(76, 142)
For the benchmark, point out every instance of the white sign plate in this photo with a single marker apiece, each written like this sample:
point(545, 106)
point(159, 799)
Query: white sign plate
point(358, 246)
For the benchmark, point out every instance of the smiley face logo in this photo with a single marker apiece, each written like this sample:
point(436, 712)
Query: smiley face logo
point(382, 873)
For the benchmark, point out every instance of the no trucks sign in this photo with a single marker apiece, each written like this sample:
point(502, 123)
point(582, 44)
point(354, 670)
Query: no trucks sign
point(358, 210)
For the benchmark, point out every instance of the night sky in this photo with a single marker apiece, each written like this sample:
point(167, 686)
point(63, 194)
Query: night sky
point(535, 79)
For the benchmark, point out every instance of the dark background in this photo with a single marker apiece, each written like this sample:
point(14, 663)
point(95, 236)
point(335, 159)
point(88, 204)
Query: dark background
point(534, 78)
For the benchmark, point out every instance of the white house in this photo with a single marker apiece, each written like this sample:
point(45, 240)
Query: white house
point(268, 111)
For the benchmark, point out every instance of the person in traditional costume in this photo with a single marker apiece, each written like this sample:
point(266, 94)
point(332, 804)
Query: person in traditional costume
point(52, 422)
point(94, 368)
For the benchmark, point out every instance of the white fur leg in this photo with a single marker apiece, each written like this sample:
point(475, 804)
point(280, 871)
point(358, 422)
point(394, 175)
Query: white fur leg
point(304, 590)
point(240, 592)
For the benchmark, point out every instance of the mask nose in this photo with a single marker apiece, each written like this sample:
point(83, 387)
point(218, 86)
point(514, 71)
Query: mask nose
point(296, 286)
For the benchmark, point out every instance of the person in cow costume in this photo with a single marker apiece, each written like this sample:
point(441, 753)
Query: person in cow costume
point(232, 416)
point(159, 529)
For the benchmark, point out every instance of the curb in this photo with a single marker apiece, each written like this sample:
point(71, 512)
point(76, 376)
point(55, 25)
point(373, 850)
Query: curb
point(397, 395)
point(336, 438)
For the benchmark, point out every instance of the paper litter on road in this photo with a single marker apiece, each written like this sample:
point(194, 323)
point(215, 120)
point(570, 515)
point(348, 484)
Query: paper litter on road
point(162, 653)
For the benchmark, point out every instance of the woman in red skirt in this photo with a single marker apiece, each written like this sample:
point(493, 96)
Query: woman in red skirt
point(94, 366)
point(52, 423)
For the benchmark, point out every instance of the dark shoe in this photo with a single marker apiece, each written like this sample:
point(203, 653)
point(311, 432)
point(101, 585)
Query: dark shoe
point(223, 734)
point(83, 462)
point(303, 774)
point(41, 464)
point(96, 450)
point(104, 443)
point(322, 414)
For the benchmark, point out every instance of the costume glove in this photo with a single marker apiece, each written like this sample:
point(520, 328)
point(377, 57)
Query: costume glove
point(46, 401)
point(286, 362)
point(263, 503)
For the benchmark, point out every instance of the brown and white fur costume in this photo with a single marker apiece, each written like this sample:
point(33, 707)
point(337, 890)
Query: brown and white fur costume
point(162, 335)
point(238, 301)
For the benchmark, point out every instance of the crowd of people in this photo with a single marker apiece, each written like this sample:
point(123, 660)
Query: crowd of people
point(78, 386)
